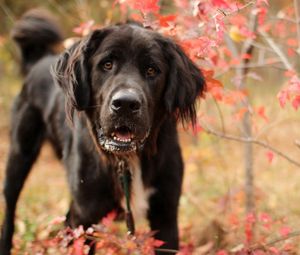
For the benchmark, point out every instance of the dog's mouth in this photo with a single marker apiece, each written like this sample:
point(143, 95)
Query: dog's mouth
point(121, 140)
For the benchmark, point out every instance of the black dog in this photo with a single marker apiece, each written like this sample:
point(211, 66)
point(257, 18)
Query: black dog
point(124, 88)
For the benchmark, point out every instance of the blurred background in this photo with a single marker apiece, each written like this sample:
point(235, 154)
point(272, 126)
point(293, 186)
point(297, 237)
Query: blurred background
point(213, 211)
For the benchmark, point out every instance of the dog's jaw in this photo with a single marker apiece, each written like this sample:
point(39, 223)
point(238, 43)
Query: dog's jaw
point(120, 145)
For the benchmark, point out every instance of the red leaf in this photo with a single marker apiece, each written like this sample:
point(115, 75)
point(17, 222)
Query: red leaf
point(246, 56)
point(261, 112)
point(262, 13)
point(234, 97)
point(260, 2)
point(213, 86)
point(289, 73)
point(270, 156)
point(296, 102)
point(165, 21)
point(137, 17)
point(265, 218)
point(238, 20)
point(291, 52)
point(294, 84)
point(274, 250)
point(292, 42)
point(241, 113)
point(58, 220)
point(220, 27)
point(197, 128)
point(250, 220)
point(220, 3)
point(84, 28)
point(145, 6)
point(283, 96)
point(285, 231)
point(109, 218)
point(234, 220)
point(222, 252)
point(198, 47)
point(288, 247)
point(158, 243)
point(78, 247)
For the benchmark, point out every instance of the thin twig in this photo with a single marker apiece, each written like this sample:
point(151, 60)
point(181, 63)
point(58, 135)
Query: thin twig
point(297, 14)
point(166, 250)
point(276, 240)
point(8, 12)
point(220, 115)
point(277, 50)
point(238, 9)
point(256, 65)
point(284, 18)
point(262, 47)
point(251, 140)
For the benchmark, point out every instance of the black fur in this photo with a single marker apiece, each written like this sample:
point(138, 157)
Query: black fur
point(123, 81)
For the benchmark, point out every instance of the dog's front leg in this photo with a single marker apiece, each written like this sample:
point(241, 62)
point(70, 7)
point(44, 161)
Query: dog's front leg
point(163, 212)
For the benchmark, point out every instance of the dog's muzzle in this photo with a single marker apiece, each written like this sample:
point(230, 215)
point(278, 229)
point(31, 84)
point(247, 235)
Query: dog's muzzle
point(126, 111)
point(121, 141)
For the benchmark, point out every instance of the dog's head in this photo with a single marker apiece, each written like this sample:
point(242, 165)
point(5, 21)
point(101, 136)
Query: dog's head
point(127, 80)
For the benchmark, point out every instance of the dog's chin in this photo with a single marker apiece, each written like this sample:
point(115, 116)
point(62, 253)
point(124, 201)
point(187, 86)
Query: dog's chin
point(120, 141)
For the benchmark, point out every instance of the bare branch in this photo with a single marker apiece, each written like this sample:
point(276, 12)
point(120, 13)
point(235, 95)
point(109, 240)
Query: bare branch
point(297, 14)
point(277, 240)
point(238, 9)
point(8, 12)
point(250, 140)
point(257, 65)
point(166, 250)
point(275, 47)
point(262, 47)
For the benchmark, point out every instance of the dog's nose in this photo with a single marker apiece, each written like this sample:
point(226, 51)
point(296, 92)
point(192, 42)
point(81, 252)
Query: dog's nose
point(126, 101)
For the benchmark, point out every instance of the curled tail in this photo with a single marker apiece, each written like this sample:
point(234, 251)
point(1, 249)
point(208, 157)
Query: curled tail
point(37, 34)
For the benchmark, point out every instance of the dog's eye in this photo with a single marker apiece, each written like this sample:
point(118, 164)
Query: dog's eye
point(151, 72)
point(107, 66)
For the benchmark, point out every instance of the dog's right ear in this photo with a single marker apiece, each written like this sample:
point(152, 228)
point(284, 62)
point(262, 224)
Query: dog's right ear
point(72, 71)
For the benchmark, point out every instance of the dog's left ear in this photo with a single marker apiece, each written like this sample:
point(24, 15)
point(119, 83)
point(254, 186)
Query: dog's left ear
point(184, 84)
point(72, 71)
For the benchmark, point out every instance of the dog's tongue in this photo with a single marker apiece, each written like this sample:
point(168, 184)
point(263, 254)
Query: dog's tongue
point(123, 135)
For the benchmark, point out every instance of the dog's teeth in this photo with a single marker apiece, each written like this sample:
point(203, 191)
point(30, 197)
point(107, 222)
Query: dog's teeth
point(122, 140)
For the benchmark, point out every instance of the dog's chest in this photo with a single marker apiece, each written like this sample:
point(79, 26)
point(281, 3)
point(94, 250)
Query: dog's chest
point(139, 195)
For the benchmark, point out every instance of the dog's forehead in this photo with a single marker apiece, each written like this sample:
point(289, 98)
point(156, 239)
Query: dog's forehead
point(131, 38)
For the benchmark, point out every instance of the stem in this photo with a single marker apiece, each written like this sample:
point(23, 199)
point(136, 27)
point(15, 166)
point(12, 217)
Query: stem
point(250, 140)
point(276, 48)
point(248, 48)
point(248, 155)
point(297, 14)
point(277, 240)
point(166, 250)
